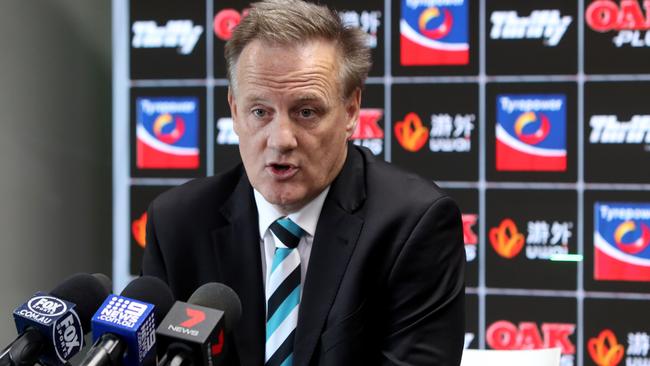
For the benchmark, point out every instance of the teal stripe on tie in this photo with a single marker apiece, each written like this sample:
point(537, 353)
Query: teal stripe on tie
point(283, 311)
point(280, 255)
point(288, 361)
point(291, 226)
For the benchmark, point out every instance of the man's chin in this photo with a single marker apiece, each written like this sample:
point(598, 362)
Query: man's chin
point(286, 202)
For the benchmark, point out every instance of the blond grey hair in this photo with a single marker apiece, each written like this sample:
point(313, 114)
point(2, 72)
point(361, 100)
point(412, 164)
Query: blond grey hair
point(290, 22)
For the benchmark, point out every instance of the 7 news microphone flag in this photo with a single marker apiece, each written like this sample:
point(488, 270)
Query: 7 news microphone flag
point(124, 327)
point(51, 326)
point(195, 333)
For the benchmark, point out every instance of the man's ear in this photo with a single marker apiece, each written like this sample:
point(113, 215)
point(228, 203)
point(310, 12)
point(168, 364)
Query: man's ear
point(233, 110)
point(352, 108)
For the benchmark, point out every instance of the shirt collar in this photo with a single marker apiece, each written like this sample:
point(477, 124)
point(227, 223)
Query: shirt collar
point(307, 217)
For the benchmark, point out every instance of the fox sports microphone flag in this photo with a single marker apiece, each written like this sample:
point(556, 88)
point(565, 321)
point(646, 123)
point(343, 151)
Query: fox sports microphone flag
point(54, 317)
point(51, 326)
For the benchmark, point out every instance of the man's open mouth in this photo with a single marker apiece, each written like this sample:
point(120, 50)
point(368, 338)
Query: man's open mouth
point(282, 170)
point(280, 167)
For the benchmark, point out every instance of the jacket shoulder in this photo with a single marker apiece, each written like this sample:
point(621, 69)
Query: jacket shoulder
point(198, 196)
point(397, 187)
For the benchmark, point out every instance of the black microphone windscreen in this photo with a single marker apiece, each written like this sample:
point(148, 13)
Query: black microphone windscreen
point(105, 280)
point(152, 290)
point(86, 292)
point(219, 296)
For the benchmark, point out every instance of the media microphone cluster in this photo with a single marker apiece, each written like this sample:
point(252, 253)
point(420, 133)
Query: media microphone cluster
point(142, 326)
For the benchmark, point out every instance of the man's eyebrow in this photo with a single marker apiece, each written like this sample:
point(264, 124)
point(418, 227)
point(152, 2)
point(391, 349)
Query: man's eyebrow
point(309, 97)
point(254, 98)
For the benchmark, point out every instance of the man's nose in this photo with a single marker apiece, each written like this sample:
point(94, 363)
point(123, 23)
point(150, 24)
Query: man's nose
point(282, 136)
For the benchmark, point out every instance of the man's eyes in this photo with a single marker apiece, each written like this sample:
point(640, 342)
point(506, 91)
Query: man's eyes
point(304, 113)
point(259, 112)
point(307, 113)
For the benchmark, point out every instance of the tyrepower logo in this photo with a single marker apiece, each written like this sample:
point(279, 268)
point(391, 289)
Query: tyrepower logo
point(605, 350)
point(504, 335)
point(434, 32)
point(608, 129)
point(543, 239)
point(167, 133)
point(180, 34)
point(469, 236)
point(368, 133)
point(531, 132)
point(628, 20)
point(547, 25)
point(622, 241)
point(448, 132)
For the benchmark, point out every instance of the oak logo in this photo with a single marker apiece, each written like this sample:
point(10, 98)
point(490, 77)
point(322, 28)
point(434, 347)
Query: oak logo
point(605, 350)
point(504, 335)
point(626, 17)
point(411, 133)
point(506, 239)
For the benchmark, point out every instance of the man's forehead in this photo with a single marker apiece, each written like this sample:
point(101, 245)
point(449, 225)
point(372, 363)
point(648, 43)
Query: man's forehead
point(254, 95)
point(316, 52)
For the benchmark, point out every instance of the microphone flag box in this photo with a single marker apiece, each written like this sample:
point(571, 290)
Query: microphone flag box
point(57, 321)
point(201, 328)
point(131, 320)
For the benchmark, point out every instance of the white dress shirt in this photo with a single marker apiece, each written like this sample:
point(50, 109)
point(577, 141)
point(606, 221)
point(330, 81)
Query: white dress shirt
point(306, 218)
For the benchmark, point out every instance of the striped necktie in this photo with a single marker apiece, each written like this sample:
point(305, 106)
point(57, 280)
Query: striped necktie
point(283, 293)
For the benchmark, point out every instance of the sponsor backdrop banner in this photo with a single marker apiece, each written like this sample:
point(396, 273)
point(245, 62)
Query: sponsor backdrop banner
point(534, 115)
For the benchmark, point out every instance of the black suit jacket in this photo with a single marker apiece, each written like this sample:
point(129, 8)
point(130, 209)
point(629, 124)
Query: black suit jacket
point(385, 282)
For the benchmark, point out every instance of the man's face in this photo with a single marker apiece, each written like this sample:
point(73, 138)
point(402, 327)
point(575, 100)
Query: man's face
point(292, 121)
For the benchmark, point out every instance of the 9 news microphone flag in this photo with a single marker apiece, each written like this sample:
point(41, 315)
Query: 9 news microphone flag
point(124, 327)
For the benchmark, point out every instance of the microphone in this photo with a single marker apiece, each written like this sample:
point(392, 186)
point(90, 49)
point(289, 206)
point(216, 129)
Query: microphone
point(51, 327)
point(124, 326)
point(193, 333)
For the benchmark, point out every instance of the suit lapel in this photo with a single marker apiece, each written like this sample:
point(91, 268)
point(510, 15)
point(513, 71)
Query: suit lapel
point(334, 241)
point(237, 247)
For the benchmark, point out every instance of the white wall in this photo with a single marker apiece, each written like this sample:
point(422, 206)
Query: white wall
point(55, 146)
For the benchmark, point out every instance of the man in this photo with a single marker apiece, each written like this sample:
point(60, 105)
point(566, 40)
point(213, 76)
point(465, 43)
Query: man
point(337, 257)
